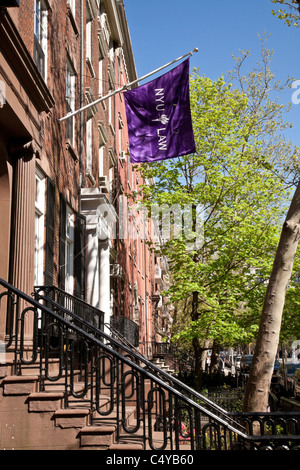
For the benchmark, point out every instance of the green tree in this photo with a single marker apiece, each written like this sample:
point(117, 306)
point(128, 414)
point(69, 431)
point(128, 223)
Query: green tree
point(280, 294)
point(236, 185)
point(256, 396)
point(289, 13)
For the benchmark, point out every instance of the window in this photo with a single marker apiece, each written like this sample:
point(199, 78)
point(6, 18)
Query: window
point(49, 232)
point(89, 37)
point(40, 36)
point(39, 228)
point(70, 101)
point(71, 4)
point(102, 141)
point(89, 142)
point(112, 163)
point(136, 306)
point(100, 77)
point(91, 13)
point(106, 28)
point(110, 112)
point(69, 250)
point(101, 40)
point(129, 172)
point(120, 74)
point(101, 159)
point(91, 111)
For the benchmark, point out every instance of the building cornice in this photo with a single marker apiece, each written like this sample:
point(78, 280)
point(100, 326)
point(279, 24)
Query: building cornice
point(127, 45)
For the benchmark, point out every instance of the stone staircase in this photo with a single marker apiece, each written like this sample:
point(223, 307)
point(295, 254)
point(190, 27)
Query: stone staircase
point(66, 385)
point(32, 420)
point(161, 363)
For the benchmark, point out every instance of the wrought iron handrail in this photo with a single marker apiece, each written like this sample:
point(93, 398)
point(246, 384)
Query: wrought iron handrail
point(180, 357)
point(127, 348)
point(127, 328)
point(115, 333)
point(159, 408)
point(92, 314)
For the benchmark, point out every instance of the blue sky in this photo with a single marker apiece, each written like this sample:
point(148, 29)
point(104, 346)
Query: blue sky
point(163, 30)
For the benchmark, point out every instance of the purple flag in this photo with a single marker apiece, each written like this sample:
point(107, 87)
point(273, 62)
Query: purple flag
point(159, 117)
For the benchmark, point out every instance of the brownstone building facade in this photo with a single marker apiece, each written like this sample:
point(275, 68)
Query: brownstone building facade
point(63, 183)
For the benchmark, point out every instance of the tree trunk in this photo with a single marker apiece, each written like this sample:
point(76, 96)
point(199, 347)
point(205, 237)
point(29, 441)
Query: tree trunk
point(206, 344)
point(258, 386)
point(213, 369)
point(196, 344)
point(198, 364)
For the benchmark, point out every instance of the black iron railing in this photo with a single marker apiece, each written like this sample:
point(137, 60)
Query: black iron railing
point(276, 430)
point(81, 308)
point(127, 328)
point(168, 415)
point(126, 348)
point(176, 358)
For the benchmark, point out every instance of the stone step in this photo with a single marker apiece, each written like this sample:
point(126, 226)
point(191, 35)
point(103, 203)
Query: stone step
point(59, 386)
point(112, 417)
point(34, 369)
point(71, 417)
point(127, 446)
point(27, 384)
point(97, 436)
point(45, 401)
point(19, 384)
point(102, 434)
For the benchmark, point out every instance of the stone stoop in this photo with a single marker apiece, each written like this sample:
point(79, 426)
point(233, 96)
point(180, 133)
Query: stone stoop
point(19, 384)
point(71, 418)
point(127, 446)
point(100, 436)
point(71, 424)
point(7, 369)
point(44, 401)
point(161, 363)
point(103, 436)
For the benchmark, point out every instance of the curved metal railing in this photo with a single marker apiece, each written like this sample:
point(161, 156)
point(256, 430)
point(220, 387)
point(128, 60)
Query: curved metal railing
point(121, 344)
point(101, 373)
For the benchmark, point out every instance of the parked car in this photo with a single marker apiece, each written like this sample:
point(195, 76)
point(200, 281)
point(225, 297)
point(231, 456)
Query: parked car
point(276, 365)
point(295, 383)
point(246, 363)
point(285, 374)
point(246, 360)
point(237, 361)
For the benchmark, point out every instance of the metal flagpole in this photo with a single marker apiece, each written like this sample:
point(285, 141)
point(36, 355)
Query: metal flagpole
point(125, 87)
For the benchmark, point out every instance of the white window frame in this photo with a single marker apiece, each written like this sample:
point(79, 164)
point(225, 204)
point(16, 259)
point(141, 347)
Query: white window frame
point(100, 70)
point(41, 29)
point(89, 39)
point(101, 159)
point(72, 5)
point(70, 95)
point(91, 12)
point(105, 27)
point(39, 228)
point(69, 272)
point(89, 143)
